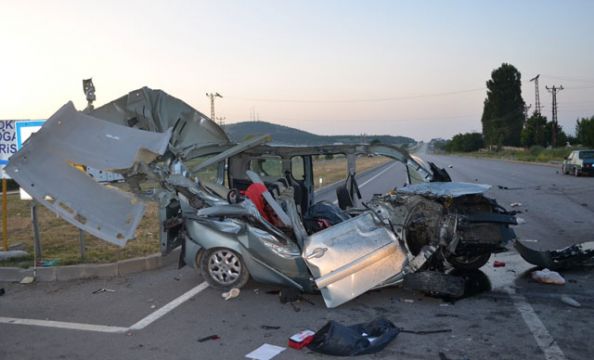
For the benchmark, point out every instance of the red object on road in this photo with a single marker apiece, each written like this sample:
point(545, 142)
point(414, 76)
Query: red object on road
point(301, 339)
point(498, 263)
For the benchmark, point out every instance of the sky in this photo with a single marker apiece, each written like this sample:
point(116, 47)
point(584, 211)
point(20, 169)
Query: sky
point(413, 68)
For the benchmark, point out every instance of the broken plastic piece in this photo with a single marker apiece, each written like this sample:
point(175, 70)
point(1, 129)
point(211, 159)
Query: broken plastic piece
point(103, 290)
point(498, 263)
point(570, 301)
point(209, 337)
point(547, 276)
point(567, 257)
point(233, 293)
point(515, 204)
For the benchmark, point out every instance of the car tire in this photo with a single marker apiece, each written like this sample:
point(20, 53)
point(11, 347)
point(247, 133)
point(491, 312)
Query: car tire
point(564, 170)
point(223, 268)
point(468, 262)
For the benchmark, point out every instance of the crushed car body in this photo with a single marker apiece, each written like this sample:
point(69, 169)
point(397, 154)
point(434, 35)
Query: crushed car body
point(245, 220)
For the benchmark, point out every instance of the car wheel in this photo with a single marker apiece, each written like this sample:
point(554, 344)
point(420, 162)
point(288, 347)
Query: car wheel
point(564, 170)
point(576, 172)
point(468, 262)
point(223, 268)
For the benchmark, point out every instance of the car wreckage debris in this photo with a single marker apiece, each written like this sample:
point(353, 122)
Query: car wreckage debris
point(572, 256)
point(279, 234)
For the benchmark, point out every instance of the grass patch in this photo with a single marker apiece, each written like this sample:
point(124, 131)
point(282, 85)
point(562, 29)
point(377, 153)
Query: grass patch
point(533, 154)
point(60, 239)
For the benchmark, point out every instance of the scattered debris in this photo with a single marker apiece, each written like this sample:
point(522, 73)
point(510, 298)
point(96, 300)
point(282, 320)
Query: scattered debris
point(450, 166)
point(270, 327)
point(103, 290)
point(265, 352)
point(301, 339)
point(27, 280)
point(425, 332)
point(287, 295)
point(153, 306)
point(515, 204)
point(48, 263)
point(408, 301)
point(584, 204)
point(498, 263)
point(501, 187)
point(570, 301)
point(568, 257)
point(209, 337)
point(2, 291)
point(547, 276)
point(365, 338)
point(520, 220)
point(233, 293)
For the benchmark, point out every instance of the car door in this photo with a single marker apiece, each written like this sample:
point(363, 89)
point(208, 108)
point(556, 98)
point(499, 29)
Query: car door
point(351, 257)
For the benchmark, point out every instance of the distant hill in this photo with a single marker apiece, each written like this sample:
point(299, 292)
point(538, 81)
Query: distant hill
point(290, 136)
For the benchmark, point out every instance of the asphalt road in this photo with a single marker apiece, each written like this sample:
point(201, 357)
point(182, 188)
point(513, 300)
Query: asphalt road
point(516, 318)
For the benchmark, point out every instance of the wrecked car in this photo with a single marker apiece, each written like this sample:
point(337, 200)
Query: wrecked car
point(251, 217)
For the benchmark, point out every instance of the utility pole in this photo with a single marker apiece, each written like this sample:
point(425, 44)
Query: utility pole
point(212, 99)
point(554, 91)
point(536, 94)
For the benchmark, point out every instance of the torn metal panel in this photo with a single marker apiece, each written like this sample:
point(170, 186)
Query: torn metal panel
point(44, 168)
point(155, 110)
point(352, 257)
point(445, 189)
point(570, 256)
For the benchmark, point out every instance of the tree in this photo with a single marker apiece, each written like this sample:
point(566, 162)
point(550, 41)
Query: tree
point(533, 132)
point(584, 131)
point(503, 110)
point(466, 142)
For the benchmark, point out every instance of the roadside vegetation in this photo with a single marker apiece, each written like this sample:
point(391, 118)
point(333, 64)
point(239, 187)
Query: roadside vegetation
point(60, 240)
point(509, 133)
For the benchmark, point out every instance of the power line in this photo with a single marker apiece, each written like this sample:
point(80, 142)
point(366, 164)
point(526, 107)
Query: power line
point(396, 98)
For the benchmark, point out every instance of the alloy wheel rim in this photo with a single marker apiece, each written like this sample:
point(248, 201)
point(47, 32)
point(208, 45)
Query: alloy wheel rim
point(224, 266)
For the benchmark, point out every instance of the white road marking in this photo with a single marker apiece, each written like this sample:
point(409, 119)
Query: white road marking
point(543, 338)
point(64, 325)
point(372, 178)
point(378, 174)
point(168, 307)
point(149, 319)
